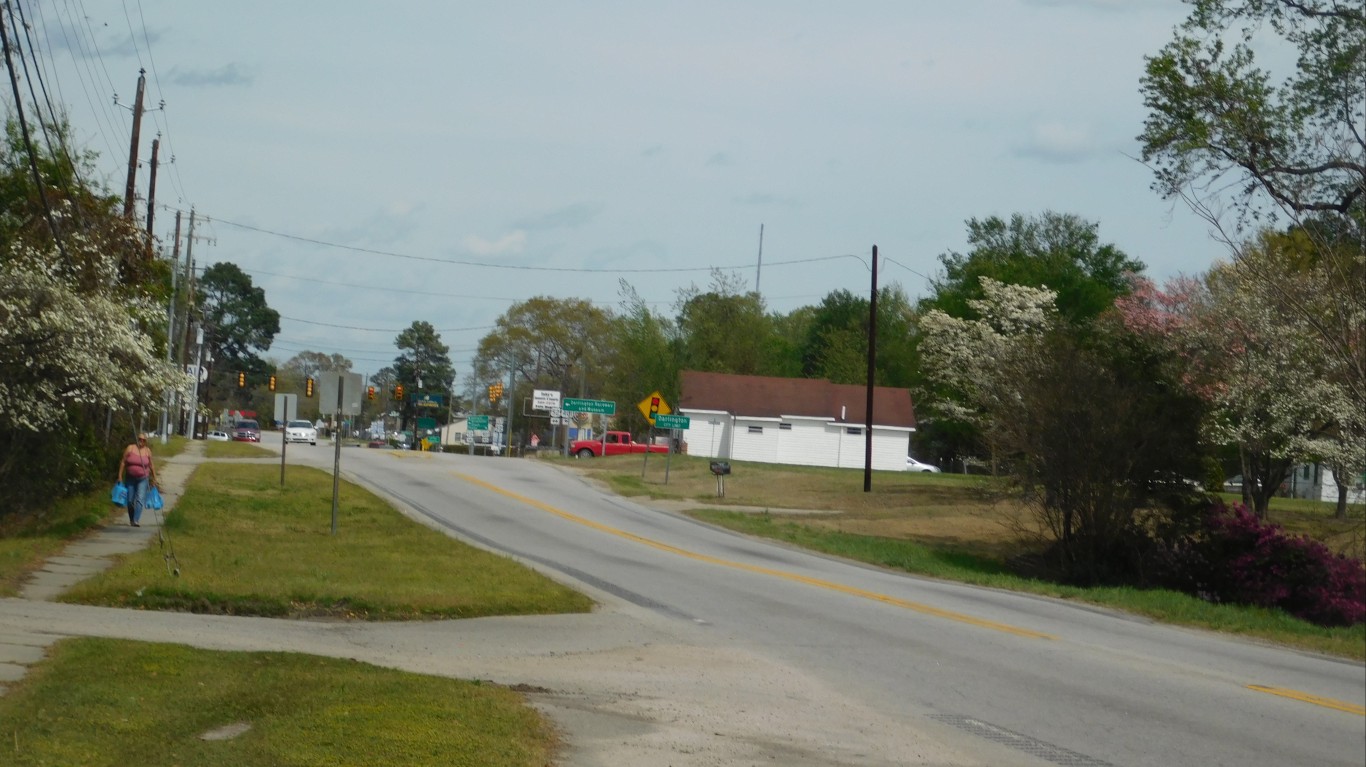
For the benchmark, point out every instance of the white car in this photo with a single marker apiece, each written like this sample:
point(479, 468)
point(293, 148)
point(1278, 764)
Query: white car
point(217, 436)
point(914, 465)
point(301, 431)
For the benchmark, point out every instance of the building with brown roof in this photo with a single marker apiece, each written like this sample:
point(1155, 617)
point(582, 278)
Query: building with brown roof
point(807, 422)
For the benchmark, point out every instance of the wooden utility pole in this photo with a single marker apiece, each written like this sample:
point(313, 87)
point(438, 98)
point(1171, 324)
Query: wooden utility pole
point(152, 190)
point(131, 189)
point(872, 372)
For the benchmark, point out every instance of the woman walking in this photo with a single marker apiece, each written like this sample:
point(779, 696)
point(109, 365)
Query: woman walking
point(135, 471)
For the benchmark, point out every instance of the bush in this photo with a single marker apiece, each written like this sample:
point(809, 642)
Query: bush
point(1240, 559)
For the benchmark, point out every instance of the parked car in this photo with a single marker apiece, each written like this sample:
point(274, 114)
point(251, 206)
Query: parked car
point(217, 436)
point(913, 465)
point(246, 431)
point(301, 431)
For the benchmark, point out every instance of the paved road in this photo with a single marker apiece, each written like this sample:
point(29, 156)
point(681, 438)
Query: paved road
point(716, 649)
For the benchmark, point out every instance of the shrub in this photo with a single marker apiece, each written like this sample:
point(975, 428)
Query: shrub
point(1240, 559)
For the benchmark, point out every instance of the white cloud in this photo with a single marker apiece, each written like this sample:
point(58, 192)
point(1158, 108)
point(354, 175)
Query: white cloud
point(512, 242)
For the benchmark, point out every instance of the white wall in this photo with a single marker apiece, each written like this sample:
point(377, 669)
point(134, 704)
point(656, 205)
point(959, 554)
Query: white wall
point(809, 441)
point(708, 434)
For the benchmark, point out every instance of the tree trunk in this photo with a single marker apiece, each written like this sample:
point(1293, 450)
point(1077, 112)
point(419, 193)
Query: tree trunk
point(1341, 511)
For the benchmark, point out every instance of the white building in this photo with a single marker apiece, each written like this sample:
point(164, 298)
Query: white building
point(1317, 482)
point(805, 422)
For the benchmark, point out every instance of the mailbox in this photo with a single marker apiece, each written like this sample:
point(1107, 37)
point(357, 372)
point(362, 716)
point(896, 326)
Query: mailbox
point(720, 467)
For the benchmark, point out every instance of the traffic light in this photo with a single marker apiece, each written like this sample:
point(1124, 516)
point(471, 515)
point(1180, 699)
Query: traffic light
point(272, 383)
point(398, 392)
point(495, 392)
point(241, 380)
point(308, 387)
point(370, 393)
point(654, 408)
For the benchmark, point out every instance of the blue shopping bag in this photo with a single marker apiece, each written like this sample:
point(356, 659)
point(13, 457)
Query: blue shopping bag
point(120, 495)
point(153, 498)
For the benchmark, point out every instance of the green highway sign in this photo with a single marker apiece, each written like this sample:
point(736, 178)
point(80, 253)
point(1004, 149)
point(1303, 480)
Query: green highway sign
point(477, 423)
point(599, 406)
point(671, 421)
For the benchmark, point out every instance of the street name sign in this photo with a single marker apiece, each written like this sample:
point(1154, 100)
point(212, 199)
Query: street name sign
point(663, 421)
point(598, 406)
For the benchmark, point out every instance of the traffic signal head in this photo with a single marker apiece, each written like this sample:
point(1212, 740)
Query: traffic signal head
point(241, 380)
point(654, 407)
point(272, 383)
point(308, 387)
point(370, 393)
point(398, 392)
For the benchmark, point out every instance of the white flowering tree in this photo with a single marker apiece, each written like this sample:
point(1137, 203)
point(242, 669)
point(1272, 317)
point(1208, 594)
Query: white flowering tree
point(1084, 418)
point(62, 347)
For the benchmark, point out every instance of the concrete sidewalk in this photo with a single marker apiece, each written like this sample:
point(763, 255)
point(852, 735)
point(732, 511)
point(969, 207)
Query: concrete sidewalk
point(89, 555)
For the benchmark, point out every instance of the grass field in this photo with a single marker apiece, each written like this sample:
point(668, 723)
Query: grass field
point(952, 526)
point(246, 546)
point(113, 702)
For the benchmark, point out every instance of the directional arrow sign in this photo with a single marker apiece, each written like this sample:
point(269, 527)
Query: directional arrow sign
point(671, 421)
point(598, 406)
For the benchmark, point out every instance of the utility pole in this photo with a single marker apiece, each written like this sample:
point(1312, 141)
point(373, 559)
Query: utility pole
point(152, 190)
point(170, 312)
point(131, 189)
point(872, 370)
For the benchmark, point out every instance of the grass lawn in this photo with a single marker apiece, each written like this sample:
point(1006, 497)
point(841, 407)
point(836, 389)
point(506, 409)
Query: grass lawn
point(107, 702)
point(246, 546)
point(954, 527)
point(214, 450)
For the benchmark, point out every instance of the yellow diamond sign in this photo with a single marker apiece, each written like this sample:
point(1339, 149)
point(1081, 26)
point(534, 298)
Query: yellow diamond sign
point(652, 406)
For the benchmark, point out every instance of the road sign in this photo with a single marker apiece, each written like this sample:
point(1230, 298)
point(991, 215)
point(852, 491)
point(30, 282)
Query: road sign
point(477, 423)
point(545, 399)
point(429, 400)
point(598, 406)
point(286, 407)
point(654, 405)
point(663, 421)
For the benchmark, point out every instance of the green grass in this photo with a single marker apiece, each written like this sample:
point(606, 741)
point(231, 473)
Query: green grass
point(25, 542)
point(116, 703)
point(245, 546)
point(957, 565)
point(214, 450)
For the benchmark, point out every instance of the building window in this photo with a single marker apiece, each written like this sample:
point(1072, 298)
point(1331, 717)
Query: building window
point(785, 427)
point(854, 430)
point(756, 430)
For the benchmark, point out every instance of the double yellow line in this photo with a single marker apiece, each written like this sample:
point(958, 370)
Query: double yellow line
point(817, 582)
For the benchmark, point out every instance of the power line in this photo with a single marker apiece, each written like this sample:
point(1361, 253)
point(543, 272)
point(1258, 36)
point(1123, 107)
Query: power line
point(382, 330)
point(512, 267)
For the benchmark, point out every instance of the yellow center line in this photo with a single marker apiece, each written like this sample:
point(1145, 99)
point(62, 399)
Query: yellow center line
point(824, 584)
point(1305, 697)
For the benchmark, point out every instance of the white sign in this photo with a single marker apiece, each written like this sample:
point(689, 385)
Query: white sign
point(545, 399)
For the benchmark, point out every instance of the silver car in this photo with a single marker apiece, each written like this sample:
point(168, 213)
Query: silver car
point(301, 431)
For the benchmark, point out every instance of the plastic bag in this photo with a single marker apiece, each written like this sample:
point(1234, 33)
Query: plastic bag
point(120, 495)
point(153, 498)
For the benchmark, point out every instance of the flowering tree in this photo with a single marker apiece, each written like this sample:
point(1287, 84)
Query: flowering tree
point(1084, 418)
point(1273, 388)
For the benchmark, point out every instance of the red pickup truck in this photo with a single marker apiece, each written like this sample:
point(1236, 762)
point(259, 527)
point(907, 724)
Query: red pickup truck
point(615, 443)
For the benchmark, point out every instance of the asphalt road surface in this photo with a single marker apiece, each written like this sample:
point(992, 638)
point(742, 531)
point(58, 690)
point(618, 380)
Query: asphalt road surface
point(819, 661)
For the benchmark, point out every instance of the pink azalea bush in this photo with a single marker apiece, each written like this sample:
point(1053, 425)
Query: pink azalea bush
point(1239, 559)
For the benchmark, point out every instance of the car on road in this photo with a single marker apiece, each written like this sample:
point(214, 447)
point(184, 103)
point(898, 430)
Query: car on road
point(217, 436)
point(913, 465)
point(246, 431)
point(301, 431)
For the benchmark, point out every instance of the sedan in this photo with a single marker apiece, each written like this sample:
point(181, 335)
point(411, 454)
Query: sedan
point(914, 465)
point(301, 431)
point(217, 436)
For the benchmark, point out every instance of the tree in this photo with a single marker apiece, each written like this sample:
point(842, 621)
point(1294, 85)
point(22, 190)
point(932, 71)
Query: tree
point(641, 355)
point(835, 346)
point(1247, 148)
point(1219, 127)
point(724, 330)
point(238, 328)
point(423, 364)
point(1089, 424)
point(1060, 252)
point(1272, 389)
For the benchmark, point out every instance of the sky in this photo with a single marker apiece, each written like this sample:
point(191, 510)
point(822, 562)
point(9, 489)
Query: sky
point(370, 165)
